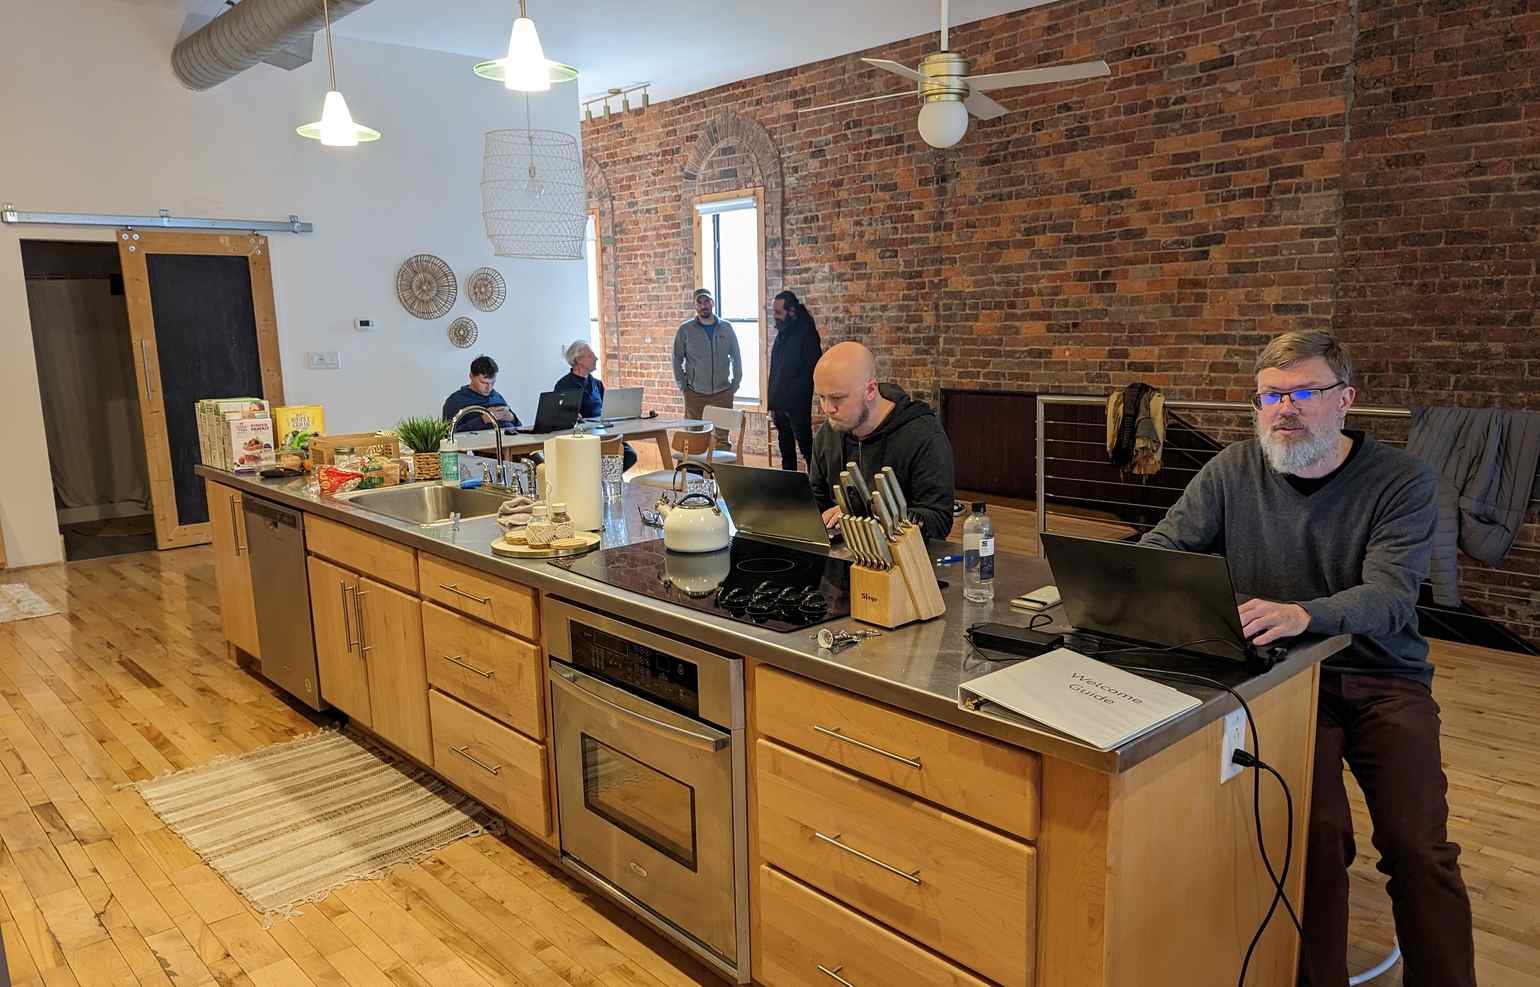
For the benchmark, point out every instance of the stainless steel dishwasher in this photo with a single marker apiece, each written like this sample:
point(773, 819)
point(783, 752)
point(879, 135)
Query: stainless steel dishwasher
point(275, 538)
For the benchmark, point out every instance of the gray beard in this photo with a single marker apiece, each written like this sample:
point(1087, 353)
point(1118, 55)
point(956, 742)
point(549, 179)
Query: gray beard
point(1291, 456)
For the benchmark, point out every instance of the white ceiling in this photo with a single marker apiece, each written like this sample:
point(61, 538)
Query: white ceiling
point(680, 46)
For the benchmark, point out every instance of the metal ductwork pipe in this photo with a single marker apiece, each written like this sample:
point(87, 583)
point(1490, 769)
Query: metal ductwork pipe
point(250, 32)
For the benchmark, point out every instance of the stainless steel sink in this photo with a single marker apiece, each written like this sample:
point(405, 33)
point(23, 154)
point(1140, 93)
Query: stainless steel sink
point(426, 503)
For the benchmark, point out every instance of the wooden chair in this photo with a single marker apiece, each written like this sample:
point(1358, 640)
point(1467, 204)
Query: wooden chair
point(729, 420)
point(692, 442)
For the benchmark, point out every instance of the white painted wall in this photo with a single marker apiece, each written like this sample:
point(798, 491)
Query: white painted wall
point(92, 120)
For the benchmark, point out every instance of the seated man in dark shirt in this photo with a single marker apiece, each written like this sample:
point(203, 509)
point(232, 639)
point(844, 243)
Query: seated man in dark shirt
point(479, 392)
point(580, 357)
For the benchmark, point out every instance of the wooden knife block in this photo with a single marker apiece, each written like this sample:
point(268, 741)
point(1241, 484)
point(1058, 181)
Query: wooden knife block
point(900, 595)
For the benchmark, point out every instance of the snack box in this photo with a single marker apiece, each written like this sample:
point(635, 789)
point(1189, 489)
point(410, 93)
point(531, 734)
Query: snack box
point(295, 424)
point(250, 442)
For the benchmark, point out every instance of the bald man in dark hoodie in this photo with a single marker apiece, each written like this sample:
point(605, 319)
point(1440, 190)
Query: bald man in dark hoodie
point(876, 425)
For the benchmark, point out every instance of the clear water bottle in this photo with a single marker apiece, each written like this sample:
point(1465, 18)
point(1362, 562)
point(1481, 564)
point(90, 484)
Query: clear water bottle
point(978, 556)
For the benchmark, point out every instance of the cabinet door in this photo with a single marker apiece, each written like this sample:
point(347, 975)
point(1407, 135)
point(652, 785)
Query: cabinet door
point(232, 568)
point(334, 612)
point(391, 643)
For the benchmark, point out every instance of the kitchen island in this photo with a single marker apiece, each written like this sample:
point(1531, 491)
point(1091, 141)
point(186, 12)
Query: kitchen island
point(891, 836)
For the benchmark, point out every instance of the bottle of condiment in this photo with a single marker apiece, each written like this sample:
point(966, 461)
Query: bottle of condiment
point(537, 533)
point(448, 463)
point(561, 522)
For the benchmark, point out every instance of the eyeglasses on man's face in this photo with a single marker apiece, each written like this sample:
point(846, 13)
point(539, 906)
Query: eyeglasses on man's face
point(1301, 396)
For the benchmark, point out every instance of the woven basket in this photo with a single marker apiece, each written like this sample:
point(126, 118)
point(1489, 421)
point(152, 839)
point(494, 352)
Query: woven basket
point(426, 465)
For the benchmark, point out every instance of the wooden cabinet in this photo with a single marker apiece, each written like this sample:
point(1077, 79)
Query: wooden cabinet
point(965, 891)
point(809, 938)
point(390, 641)
point(495, 672)
point(507, 605)
point(384, 560)
point(491, 762)
point(334, 614)
point(232, 568)
point(985, 779)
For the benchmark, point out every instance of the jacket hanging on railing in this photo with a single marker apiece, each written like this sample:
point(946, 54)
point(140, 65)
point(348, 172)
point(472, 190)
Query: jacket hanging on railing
point(1485, 459)
point(1136, 429)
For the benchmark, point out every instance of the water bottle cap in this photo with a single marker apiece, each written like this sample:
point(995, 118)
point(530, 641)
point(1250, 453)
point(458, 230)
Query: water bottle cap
point(978, 507)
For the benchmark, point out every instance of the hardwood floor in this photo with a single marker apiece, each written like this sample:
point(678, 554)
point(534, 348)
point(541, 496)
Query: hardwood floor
point(132, 680)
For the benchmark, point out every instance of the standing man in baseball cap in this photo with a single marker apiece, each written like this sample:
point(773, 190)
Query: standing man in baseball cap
point(707, 364)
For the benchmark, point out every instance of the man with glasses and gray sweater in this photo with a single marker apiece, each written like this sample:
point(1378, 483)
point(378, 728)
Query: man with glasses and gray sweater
point(1329, 531)
point(708, 366)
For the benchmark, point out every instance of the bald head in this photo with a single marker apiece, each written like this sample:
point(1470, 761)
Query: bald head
point(845, 382)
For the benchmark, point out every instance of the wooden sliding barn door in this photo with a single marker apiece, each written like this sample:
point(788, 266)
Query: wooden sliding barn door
point(200, 311)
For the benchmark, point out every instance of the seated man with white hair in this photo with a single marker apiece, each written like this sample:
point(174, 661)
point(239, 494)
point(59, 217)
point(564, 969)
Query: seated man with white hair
point(580, 357)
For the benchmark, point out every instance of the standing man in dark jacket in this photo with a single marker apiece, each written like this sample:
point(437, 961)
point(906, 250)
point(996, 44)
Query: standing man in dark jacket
point(876, 425)
point(1328, 531)
point(707, 364)
point(792, 357)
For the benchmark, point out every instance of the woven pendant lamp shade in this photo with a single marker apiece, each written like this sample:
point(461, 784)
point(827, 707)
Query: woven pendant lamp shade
point(533, 201)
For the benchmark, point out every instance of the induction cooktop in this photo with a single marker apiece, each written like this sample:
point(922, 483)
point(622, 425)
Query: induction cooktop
point(771, 586)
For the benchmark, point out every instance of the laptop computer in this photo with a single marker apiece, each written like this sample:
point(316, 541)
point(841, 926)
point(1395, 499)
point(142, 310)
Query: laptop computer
point(772, 505)
point(1151, 596)
point(558, 411)
point(621, 404)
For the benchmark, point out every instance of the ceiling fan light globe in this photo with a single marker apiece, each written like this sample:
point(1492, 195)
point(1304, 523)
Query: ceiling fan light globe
point(943, 123)
point(526, 65)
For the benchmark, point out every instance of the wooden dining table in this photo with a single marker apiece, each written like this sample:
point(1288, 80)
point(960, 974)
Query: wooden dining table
point(635, 429)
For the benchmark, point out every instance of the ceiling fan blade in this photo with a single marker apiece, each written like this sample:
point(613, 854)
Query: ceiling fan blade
point(983, 107)
point(1038, 77)
point(895, 67)
point(852, 102)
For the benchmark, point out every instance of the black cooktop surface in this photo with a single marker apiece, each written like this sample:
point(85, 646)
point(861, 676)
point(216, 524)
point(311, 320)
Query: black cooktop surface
point(773, 586)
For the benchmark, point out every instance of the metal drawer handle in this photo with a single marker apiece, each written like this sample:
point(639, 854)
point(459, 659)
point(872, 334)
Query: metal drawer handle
point(834, 974)
point(913, 762)
point(358, 602)
point(465, 752)
point(913, 877)
point(347, 620)
point(459, 660)
point(483, 600)
point(713, 744)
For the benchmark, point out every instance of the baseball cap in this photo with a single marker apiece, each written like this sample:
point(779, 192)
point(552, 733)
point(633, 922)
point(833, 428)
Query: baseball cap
point(703, 291)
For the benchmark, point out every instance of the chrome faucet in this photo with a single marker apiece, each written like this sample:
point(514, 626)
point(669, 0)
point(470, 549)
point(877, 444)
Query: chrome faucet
point(497, 427)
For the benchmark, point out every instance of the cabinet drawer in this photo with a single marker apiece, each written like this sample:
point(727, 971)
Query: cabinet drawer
point(802, 931)
point(990, 781)
point(491, 762)
point(495, 672)
point(371, 555)
point(509, 606)
point(967, 892)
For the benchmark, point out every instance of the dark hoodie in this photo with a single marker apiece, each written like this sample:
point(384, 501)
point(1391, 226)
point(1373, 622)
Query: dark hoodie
point(911, 441)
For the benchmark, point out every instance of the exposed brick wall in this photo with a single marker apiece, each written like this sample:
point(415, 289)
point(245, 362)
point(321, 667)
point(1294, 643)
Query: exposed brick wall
point(1371, 166)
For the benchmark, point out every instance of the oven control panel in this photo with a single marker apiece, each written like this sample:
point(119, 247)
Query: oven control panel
point(672, 681)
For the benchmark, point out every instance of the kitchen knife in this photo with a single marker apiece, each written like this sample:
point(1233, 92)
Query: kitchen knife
point(861, 487)
point(868, 549)
point(884, 552)
point(884, 514)
point(853, 507)
point(901, 501)
point(885, 494)
point(856, 540)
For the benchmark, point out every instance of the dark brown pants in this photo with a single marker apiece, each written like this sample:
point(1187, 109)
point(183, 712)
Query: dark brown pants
point(1386, 728)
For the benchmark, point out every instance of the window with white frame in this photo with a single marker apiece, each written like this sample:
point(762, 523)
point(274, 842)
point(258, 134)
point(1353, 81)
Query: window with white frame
point(728, 265)
point(594, 252)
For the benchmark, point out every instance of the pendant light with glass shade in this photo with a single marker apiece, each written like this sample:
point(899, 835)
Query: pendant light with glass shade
point(525, 68)
point(336, 127)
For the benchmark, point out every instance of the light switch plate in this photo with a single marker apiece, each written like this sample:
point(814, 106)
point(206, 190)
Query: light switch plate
point(1234, 740)
point(325, 360)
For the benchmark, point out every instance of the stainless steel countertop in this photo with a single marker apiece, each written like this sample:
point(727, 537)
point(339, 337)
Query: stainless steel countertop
point(917, 668)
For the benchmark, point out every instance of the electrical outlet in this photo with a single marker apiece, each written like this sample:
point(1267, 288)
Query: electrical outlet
point(1234, 740)
point(326, 360)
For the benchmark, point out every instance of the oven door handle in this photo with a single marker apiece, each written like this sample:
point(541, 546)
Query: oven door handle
point(568, 683)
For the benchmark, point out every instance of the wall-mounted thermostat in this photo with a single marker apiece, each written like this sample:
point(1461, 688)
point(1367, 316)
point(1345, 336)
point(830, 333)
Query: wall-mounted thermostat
point(364, 325)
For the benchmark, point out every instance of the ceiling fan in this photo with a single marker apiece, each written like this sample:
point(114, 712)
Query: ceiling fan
point(950, 94)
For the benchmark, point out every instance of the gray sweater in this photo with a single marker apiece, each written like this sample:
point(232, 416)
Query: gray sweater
point(1353, 553)
point(707, 363)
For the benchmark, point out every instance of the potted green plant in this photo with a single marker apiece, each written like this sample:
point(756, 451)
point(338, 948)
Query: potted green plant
point(423, 436)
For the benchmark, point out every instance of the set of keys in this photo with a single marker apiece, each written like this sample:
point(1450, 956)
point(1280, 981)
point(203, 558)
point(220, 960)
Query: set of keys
point(837, 641)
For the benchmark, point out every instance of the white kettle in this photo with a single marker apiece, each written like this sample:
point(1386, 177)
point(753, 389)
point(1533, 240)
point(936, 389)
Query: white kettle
point(693, 522)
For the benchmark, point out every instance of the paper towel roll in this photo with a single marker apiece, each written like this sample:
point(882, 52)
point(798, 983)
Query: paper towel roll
point(574, 476)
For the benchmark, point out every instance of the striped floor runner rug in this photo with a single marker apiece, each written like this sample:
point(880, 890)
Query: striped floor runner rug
point(287, 824)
